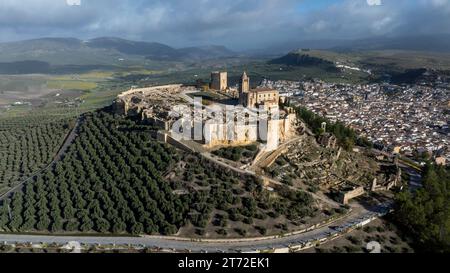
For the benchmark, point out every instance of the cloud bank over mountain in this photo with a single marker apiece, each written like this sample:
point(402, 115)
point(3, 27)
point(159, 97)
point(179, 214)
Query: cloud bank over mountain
point(234, 23)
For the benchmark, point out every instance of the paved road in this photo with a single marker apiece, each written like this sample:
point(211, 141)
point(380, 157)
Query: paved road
point(68, 140)
point(357, 216)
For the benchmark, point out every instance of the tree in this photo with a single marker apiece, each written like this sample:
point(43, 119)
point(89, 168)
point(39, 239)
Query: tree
point(86, 224)
point(425, 214)
point(71, 225)
point(118, 227)
point(4, 216)
point(43, 223)
point(137, 228)
point(57, 224)
point(102, 225)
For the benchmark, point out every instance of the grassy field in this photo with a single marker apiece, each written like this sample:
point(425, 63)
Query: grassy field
point(71, 84)
point(49, 94)
point(83, 81)
point(137, 71)
point(88, 76)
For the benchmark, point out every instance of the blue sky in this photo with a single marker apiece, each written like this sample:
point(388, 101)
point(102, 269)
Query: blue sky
point(239, 24)
point(314, 5)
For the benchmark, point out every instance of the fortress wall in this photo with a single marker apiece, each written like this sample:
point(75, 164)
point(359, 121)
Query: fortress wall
point(122, 104)
point(346, 197)
point(213, 132)
point(273, 135)
point(167, 138)
point(219, 134)
point(149, 89)
point(246, 133)
point(158, 123)
point(277, 131)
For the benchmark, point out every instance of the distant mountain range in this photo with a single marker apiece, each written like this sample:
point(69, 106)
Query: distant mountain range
point(429, 43)
point(102, 51)
point(54, 55)
point(158, 51)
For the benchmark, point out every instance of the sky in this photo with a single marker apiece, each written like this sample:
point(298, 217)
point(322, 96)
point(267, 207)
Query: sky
point(238, 24)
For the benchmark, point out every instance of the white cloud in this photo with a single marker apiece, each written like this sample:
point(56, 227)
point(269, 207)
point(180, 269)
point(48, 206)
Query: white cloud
point(382, 24)
point(73, 2)
point(374, 2)
point(440, 3)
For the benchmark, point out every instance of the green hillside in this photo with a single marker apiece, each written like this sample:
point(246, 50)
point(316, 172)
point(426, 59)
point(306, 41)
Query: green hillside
point(50, 52)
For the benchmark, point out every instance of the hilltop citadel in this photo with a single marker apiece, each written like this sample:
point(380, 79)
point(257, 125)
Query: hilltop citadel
point(164, 106)
point(285, 138)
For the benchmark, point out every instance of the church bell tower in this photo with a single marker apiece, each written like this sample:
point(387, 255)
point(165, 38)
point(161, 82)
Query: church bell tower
point(244, 89)
point(245, 83)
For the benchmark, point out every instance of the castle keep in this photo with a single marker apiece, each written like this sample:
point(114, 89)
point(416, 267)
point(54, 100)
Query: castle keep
point(219, 81)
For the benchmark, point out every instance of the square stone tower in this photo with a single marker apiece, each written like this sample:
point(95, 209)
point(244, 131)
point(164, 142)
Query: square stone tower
point(219, 81)
point(244, 86)
point(244, 89)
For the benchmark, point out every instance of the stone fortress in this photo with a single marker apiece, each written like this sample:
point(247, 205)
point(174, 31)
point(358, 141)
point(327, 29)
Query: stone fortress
point(157, 106)
point(309, 159)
